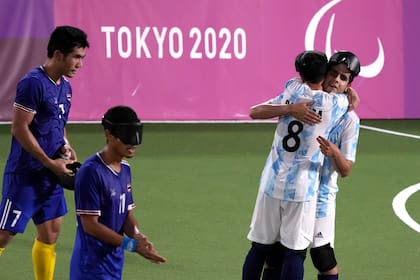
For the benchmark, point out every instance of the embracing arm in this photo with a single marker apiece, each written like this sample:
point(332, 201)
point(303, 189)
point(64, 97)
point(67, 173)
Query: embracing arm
point(300, 111)
point(353, 98)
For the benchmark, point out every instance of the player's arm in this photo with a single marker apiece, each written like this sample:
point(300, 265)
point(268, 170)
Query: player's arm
point(67, 148)
point(144, 246)
point(342, 165)
point(131, 226)
point(300, 111)
point(20, 130)
point(353, 98)
point(92, 226)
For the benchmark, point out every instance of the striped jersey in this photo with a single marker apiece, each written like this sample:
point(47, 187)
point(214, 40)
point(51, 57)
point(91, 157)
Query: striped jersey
point(103, 192)
point(291, 171)
point(345, 135)
point(50, 103)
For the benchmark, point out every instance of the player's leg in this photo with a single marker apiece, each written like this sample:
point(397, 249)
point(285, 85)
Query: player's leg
point(274, 262)
point(293, 264)
point(43, 250)
point(322, 252)
point(15, 209)
point(254, 261)
point(5, 238)
point(324, 261)
point(296, 234)
point(48, 224)
point(264, 232)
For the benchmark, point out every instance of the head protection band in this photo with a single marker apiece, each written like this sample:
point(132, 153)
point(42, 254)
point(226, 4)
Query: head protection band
point(129, 133)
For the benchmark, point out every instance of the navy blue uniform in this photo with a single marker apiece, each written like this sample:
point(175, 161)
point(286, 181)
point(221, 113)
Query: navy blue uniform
point(103, 192)
point(29, 189)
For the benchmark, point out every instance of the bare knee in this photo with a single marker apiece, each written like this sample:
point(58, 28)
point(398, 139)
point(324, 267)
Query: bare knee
point(5, 237)
point(49, 231)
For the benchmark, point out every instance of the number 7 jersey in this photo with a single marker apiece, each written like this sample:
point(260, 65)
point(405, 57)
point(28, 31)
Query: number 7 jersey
point(291, 171)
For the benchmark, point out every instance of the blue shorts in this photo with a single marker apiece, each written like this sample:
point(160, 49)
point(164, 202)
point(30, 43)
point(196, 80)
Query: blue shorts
point(26, 197)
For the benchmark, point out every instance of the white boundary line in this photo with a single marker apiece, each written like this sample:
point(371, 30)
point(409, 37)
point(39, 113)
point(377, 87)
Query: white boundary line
point(400, 200)
point(390, 132)
point(398, 204)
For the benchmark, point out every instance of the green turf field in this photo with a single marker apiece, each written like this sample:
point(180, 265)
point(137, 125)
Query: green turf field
point(195, 187)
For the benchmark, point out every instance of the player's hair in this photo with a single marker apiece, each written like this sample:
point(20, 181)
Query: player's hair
point(121, 115)
point(349, 59)
point(312, 66)
point(65, 39)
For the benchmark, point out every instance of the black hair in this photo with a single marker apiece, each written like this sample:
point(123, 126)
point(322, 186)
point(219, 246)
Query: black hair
point(65, 39)
point(121, 115)
point(312, 66)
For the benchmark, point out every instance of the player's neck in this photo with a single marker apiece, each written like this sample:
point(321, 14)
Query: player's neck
point(51, 73)
point(315, 86)
point(111, 159)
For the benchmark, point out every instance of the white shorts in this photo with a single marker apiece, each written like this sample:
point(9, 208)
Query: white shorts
point(290, 222)
point(324, 230)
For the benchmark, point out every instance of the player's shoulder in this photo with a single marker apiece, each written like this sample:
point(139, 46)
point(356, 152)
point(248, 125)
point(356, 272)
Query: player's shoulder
point(35, 76)
point(93, 162)
point(352, 117)
point(295, 83)
point(36, 73)
point(352, 114)
point(338, 99)
point(295, 87)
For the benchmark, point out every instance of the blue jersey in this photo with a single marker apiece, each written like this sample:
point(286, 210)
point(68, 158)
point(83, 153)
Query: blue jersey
point(345, 135)
point(100, 191)
point(292, 168)
point(50, 103)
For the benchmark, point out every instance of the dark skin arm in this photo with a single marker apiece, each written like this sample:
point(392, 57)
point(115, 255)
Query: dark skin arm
point(20, 130)
point(67, 148)
point(145, 247)
point(92, 226)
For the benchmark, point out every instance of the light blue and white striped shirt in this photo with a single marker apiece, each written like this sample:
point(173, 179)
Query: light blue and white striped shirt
point(291, 171)
point(345, 135)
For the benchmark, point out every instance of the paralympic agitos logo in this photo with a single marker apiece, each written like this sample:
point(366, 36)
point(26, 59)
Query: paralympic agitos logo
point(367, 71)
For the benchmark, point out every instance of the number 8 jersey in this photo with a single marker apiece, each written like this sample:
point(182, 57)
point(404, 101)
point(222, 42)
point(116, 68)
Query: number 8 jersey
point(291, 171)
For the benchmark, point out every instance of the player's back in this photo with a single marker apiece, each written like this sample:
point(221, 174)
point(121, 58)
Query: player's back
point(291, 171)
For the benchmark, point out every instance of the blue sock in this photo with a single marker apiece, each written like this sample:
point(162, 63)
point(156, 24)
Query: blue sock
point(293, 265)
point(254, 261)
point(327, 277)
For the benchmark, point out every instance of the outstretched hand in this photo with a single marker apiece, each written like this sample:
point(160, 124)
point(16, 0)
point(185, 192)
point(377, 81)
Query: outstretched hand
point(145, 248)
